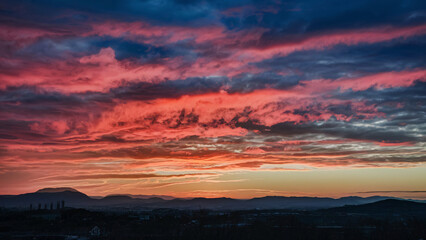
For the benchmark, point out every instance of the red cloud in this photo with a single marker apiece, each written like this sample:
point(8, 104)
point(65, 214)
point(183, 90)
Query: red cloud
point(379, 81)
point(321, 41)
point(215, 114)
point(144, 32)
point(237, 50)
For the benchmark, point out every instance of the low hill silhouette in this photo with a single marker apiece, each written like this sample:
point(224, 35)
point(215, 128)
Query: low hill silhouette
point(384, 207)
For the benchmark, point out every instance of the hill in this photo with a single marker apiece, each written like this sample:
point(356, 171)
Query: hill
point(45, 197)
point(384, 207)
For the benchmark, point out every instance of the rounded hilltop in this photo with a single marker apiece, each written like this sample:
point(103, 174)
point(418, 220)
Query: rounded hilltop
point(55, 190)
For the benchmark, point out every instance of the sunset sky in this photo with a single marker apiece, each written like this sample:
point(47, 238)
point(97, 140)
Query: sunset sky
point(214, 98)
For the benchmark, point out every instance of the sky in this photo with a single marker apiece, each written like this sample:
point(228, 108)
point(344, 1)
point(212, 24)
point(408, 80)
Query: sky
point(214, 98)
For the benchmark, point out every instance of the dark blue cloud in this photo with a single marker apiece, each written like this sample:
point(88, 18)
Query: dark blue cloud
point(129, 10)
point(283, 17)
point(310, 16)
point(349, 61)
point(169, 89)
point(285, 22)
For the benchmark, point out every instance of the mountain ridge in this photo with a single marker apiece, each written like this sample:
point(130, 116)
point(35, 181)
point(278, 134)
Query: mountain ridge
point(74, 198)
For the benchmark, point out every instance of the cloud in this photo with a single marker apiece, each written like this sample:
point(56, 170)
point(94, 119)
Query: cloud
point(394, 192)
point(92, 91)
point(119, 176)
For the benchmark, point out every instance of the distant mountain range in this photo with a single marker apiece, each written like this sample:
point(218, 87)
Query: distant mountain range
point(72, 198)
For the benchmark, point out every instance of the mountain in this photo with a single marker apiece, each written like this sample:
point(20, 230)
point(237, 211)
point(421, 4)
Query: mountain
point(46, 197)
point(384, 207)
point(74, 198)
point(309, 203)
point(270, 202)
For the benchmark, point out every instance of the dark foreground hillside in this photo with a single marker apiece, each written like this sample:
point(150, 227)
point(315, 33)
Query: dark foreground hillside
point(385, 220)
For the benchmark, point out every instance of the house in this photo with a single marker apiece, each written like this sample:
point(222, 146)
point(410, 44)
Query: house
point(96, 231)
point(144, 217)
